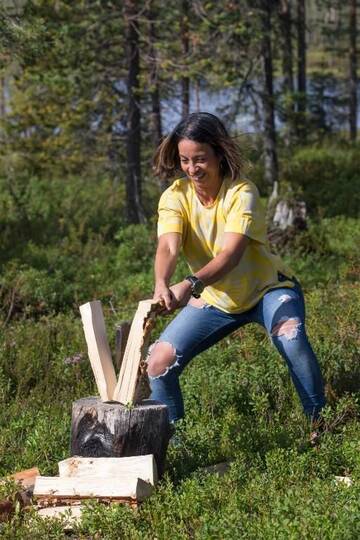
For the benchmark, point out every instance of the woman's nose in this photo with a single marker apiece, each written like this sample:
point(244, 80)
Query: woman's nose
point(192, 168)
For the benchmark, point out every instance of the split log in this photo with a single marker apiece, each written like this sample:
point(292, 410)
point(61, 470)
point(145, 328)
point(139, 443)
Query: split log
point(98, 348)
point(26, 481)
point(135, 352)
point(112, 430)
point(78, 488)
point(143, 467)
point(26, 478)
point(70, 514)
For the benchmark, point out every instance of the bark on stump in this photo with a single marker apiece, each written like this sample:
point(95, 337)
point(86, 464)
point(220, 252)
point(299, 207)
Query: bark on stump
point(112, 430)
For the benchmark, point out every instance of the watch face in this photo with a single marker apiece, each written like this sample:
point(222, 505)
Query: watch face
point(198, 286)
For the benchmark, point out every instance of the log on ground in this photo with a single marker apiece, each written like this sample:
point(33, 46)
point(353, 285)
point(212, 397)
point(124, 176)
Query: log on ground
point(71, 515)
point(26, 481)
point(79, 488)
point(143, 467)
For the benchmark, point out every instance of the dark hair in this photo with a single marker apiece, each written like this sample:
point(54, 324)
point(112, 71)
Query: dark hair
point(201, 127)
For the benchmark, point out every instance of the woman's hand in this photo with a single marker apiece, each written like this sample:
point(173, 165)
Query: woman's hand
point(164, 296)
point(172, 297)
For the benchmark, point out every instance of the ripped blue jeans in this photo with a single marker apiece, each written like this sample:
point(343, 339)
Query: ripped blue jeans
point(281, 312)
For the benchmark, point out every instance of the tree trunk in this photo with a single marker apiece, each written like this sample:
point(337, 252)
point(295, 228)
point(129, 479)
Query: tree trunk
point(2, 97)
point(154, 83)
point(353, 74)
point(270, 151)
point(301, 38)
point(112, 430)
point(287, 68)
point(156, 114)
point(134, 210)
point(185, 81)
point(2, 107)
point(197, 95)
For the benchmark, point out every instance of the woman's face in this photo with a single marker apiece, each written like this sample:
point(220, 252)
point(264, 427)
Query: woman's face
point(199, 162)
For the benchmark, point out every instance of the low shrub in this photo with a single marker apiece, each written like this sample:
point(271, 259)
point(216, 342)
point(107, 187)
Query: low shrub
point(329, 178)
point(241, 405)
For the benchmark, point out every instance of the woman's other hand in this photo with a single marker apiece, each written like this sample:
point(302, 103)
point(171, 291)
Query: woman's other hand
point(172, 297)
point(182, 292)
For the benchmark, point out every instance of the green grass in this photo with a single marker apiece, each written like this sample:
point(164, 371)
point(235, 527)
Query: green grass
point(241, 406)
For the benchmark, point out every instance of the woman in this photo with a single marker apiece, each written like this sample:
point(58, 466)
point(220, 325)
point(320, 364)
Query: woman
point(215, 216)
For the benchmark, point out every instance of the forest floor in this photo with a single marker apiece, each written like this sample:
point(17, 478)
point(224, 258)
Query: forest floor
point(241, 407)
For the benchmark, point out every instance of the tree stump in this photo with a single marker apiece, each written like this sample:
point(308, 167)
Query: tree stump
point(112, 430)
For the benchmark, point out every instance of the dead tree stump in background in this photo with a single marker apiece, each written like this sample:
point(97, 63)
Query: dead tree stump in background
point(286, 219)
point(290, 214)
point(112, 430)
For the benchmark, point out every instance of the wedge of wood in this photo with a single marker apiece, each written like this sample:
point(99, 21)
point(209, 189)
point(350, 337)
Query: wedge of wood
point(126, 468)
point(135, 351)
point(125, 388)
point(98, 349)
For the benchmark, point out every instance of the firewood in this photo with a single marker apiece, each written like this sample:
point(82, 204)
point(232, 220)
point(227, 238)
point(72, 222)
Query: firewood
point(98, 349)
point(143, 467)
point(71, 514)
point(26, 481)
point(79, 488)
point(135, 352)
point(26, 478)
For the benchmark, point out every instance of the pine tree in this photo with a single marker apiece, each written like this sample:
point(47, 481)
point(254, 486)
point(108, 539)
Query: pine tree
point(286, 31)
point(134, 210)
point(271, 172)
point(353, 69)
point(301, 67)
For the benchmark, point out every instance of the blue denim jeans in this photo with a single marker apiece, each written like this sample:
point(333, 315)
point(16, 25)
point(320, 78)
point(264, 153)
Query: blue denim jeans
point(195, 329)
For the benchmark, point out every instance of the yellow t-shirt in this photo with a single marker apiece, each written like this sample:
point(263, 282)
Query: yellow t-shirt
point(237, 209)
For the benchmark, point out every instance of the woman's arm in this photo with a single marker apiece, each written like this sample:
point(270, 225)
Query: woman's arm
point(165, 263)
point(229, 257)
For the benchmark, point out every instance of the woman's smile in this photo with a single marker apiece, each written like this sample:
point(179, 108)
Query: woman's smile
point(199, 162)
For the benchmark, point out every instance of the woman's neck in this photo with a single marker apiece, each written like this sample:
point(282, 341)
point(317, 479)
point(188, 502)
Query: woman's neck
point(207, 194)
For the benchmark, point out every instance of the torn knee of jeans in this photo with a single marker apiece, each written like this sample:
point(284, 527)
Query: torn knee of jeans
point(161, 358)
point(287, 327)
point(285, 298)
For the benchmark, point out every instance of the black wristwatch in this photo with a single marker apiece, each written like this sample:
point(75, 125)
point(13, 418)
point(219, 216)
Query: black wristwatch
point(197, 286)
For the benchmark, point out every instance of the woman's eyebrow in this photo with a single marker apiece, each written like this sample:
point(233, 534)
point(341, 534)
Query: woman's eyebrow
point(196, 156)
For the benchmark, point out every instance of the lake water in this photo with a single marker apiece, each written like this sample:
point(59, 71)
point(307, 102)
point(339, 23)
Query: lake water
point(326, 99)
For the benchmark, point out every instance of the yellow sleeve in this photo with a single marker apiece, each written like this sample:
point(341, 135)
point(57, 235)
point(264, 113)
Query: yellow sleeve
point(171, 216)
point(245, 214)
